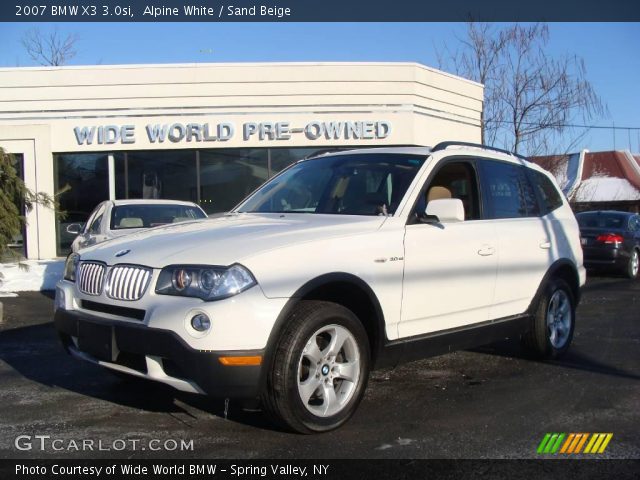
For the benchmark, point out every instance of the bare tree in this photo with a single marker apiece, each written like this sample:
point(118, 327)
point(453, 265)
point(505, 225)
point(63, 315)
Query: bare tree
point(531, 98)
point(49, 49)
point(479, 60)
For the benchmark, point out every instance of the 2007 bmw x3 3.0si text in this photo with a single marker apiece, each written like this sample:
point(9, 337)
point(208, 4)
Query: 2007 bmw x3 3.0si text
point(339, 264)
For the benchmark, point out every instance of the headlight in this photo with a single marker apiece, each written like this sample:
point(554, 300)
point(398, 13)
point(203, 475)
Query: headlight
point(70, 267)
point(205, 282)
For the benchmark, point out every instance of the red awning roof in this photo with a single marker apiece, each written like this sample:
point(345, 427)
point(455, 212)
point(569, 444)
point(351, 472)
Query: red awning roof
point(603, 176)
point(611, 164)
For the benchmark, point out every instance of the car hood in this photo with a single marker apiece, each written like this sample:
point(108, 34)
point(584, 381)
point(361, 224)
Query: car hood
point(225, 240)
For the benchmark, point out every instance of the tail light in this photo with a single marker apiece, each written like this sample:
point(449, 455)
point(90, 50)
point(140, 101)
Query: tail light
point(610, 238)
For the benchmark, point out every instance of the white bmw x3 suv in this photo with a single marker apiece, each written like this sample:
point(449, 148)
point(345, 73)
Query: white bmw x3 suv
point(341, 263)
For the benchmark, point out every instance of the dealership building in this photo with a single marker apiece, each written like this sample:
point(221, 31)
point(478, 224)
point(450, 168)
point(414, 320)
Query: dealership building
point(207, 133)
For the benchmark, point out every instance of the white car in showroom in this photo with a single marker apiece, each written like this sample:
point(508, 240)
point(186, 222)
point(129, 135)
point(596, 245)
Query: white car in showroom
point(340, 264)
point(115, 218)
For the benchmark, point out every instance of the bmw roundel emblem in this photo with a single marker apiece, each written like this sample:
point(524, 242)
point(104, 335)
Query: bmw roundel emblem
point(122, 253)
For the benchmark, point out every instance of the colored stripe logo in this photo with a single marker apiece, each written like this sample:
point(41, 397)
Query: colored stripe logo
point(572, 443)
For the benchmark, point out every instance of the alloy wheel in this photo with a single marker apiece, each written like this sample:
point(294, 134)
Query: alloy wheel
point(328, 370)
point(559, 318)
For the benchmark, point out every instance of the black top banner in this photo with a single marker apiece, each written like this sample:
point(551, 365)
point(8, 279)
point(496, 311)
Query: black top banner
point(319, 11)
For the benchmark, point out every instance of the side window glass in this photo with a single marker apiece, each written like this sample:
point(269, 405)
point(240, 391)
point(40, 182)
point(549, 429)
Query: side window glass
point(507, 192)
point(550, 196)
point(453, 180)
point(94, 227)
point(528, 194)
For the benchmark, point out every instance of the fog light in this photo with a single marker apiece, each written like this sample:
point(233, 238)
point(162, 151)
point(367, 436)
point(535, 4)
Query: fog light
point(200, 322)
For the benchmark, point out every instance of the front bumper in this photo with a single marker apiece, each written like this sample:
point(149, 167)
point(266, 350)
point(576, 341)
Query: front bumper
point(156, 354)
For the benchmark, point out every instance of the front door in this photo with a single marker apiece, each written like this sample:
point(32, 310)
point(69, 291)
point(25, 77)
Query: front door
point(450, 268)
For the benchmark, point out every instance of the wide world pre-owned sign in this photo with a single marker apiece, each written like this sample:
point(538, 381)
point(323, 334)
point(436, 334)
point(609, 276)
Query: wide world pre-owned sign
point(220, 132)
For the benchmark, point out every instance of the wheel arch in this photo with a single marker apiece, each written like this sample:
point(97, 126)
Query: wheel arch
point(565, 270)
point(345, 289)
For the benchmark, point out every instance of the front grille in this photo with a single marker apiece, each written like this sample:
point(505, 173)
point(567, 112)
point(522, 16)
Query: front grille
point(91, 278)
point(128, 282)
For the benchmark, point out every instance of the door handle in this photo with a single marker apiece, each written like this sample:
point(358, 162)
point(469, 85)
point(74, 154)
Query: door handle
point(486, 250)
point(545, 244)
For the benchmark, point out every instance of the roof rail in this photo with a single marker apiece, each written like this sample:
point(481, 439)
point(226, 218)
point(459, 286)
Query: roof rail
point(445, 145)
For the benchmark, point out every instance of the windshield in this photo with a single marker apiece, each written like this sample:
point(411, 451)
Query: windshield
point(147, 216)
point(602, 220)
point(356, 184)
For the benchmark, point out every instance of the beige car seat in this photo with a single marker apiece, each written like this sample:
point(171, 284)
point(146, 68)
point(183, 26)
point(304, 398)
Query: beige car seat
point(130, 222)
point(438, 192)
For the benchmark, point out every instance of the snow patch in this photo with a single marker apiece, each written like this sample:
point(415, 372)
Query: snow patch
point(39, 275)
point(605, 189)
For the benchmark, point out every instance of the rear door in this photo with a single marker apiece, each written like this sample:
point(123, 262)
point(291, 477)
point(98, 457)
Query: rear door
point(525, 241)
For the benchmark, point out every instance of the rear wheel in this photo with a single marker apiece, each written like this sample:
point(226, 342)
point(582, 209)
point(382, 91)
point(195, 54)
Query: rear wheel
point(553, 321)
point(633, 266)
point(320, 369)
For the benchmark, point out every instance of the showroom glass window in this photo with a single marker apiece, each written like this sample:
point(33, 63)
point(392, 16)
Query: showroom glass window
point(83, 180)
point(18, 244)
point(229, 175)
point(215, 179)
point(163, 174)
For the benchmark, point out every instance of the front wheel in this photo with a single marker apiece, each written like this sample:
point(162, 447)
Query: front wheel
point(320, 369)
point(633, 266)
point(553, 321)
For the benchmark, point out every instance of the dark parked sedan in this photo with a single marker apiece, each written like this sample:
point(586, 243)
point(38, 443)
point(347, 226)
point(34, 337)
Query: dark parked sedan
point(611, 241)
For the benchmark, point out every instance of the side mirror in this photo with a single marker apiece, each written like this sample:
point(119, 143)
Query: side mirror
point(444, 210)
point(75, 228)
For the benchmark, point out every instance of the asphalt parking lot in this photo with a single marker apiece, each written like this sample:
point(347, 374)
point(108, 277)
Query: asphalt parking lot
point(491, 402)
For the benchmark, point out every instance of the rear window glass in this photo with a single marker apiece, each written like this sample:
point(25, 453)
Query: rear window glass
point(602, 220)
point(551, 198)
point(147, 216)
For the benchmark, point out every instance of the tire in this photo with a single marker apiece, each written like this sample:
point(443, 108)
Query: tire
point(553, 321)
point(320, 368)
point(633, 265)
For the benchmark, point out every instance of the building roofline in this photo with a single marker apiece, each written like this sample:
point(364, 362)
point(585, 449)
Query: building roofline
point(238, 65)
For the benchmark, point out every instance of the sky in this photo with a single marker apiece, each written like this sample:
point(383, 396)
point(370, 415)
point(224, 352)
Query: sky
point(610, 52)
